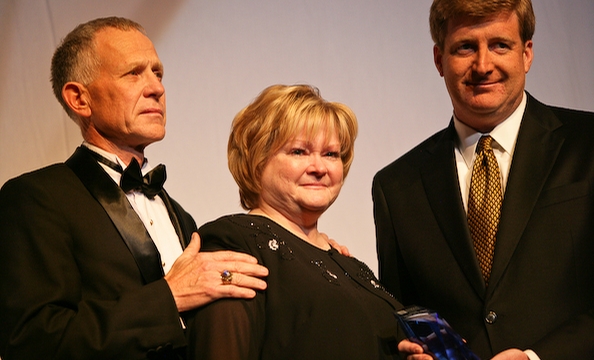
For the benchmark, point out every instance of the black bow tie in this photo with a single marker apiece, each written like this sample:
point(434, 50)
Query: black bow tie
point(150, 184)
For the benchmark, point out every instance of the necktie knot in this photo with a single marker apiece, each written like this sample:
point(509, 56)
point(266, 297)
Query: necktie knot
point(484, 144)
point(150, 184)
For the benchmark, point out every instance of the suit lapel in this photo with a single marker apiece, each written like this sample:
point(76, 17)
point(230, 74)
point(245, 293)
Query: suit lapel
point(121, 213)
point(442, 187)
point(183, 232)
point(535, 153)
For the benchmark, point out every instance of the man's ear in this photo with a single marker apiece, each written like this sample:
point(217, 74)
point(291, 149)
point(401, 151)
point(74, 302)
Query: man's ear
point(76, 96)
point(437, 57)
point(528, 55)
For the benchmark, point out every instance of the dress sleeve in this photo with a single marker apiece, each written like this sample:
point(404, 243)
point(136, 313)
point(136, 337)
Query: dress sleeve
point(228, 328)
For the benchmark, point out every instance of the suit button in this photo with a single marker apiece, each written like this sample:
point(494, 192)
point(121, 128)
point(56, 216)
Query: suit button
point(491, 317)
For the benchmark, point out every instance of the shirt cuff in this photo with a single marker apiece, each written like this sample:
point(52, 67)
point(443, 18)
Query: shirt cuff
point(531, 355)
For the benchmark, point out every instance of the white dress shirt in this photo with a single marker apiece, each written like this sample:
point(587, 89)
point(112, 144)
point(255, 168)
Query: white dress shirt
point(504, 136)
point(152, 212)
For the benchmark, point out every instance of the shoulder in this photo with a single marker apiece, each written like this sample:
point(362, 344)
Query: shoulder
point(240, 222)
point(243, 232)
point(411, 161)
point(578, 120)
point(226, 222)
point(572, 118)
point(573, 113)
point(45, 195)
point(227, 232)
point(44, 179)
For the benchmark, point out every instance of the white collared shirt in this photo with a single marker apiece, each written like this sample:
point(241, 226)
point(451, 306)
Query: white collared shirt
point(152, 212)
point(504, 136)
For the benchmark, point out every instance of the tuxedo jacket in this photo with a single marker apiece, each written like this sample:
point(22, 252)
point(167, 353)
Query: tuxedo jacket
point(80, 277)
point(540, 294)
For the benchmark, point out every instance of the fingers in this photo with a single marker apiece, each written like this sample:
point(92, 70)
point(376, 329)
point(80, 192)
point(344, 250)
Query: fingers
point(224, 259)
point(341, 248)
point(235, 262)
point(511, 354)
point(248, 269)
point(237, 280)
point(194, 246)
point(410, 347)
point(198, 282)
point(413, 351)
point(195, 279)
point(234, 291)
point(246, 272)
point(245, 281)
point(227, 255)
point(419, 357)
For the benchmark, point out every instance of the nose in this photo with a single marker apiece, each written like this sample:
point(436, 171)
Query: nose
point(483, 63)
point(154, 86)
point(317, 165)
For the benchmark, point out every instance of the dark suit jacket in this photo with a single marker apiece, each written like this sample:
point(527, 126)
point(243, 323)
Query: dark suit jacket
point(80, 277)
point(541, 290)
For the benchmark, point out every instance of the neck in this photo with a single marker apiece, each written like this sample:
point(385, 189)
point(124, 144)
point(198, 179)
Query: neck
point(486, 122)
point(126, 154)
point(483, 125)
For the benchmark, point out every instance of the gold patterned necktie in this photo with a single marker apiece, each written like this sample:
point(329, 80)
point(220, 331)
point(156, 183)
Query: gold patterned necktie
point(484, 204)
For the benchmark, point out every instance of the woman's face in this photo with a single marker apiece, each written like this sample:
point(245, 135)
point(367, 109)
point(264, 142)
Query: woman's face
point(304, 177)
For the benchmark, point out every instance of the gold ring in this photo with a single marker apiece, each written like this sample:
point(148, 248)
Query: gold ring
point(226, 277)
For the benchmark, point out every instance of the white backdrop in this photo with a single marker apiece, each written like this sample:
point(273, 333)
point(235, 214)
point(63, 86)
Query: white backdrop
point(375, 56)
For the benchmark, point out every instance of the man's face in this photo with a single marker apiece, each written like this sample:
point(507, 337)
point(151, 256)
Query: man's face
point(126, 97)
point(484, 64)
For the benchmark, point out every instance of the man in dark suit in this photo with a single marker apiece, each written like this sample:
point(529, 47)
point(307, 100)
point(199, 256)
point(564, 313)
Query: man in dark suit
point(536, 291)
point(89, 270)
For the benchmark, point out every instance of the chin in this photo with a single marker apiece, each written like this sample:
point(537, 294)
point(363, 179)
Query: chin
point(147, 140)
point(158, 133)
point(316, 206)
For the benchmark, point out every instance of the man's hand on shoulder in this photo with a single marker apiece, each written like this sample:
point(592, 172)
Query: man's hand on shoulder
point(340, 248)
point(195, 277)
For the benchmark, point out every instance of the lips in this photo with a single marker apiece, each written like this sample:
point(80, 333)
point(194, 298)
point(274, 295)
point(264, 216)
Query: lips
point(152, 111)
point(481, 83)
point(478, 81)
point(480, 87)
point(315, 185)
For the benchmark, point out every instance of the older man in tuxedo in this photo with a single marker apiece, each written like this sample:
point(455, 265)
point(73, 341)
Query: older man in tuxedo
point(89, 269)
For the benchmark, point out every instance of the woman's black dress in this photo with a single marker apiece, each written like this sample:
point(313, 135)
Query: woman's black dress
point(318, 305)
